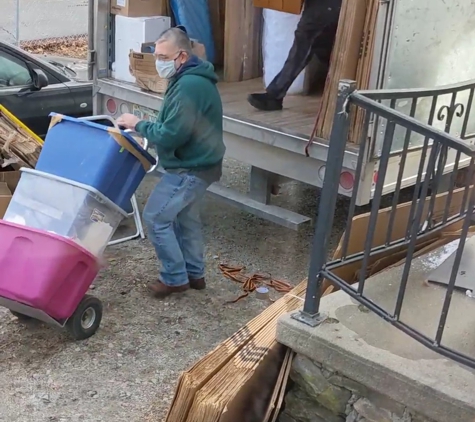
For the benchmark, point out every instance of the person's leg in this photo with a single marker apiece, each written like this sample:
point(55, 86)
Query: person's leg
point(189, 233)
point(316, 15)
point(172, 194)
point(322, 46)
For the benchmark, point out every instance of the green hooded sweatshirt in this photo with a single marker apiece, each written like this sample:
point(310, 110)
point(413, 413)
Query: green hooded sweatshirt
point(188, 133)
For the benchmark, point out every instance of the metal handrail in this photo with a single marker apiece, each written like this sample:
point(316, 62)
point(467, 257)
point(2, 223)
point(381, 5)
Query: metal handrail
point(389, 94)
point(421, 221)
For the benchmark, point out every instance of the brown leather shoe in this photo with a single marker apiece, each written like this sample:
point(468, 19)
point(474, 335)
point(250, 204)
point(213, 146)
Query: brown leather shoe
point(159, 289)
point(197, 283)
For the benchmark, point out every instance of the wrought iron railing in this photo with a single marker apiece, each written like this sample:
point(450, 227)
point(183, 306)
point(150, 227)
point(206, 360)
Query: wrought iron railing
point(422, 221)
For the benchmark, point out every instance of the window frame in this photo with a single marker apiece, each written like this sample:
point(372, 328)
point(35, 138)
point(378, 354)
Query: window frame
point(20, 62)
point(54, 76)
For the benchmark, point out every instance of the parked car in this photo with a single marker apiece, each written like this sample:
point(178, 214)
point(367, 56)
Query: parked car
point(32, 87)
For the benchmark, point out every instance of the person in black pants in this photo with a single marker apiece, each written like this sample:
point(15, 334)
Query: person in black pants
point(315, 34)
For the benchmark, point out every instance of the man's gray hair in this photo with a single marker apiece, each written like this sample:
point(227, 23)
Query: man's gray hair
point(178, 38)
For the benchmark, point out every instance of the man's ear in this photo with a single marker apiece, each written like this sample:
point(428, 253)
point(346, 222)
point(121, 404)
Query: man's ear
point(185, 56)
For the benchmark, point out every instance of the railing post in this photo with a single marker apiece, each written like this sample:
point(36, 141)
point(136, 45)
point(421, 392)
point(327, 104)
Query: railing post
point(310, 314)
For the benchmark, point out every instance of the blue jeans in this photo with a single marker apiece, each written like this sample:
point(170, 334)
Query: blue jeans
point(172, 217)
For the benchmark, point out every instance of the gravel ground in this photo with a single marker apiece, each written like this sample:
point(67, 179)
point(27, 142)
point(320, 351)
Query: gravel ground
point(136, 357)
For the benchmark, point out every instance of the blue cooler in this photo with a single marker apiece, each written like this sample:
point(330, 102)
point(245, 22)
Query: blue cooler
point(104, 158)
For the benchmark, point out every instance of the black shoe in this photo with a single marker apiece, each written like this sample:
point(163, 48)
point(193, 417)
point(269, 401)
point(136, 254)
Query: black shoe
point(264, 102)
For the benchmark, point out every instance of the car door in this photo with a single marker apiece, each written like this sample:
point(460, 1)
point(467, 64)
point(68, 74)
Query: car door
point(31, 106)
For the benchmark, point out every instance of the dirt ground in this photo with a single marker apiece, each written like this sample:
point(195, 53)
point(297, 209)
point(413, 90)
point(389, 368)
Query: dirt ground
point(135, 359)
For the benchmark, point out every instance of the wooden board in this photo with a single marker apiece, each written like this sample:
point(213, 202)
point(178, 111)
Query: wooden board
point(363, 73)
point(242, 41)
point(217, 16)
point(281, 388)
point(211, 402)
point(250, 401)
point(344, 61)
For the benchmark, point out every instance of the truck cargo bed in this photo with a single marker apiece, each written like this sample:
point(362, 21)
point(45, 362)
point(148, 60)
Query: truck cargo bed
point(298, 116)
point(268, 140)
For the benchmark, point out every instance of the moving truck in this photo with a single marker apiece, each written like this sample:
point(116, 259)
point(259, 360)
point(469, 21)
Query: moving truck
point(389, 47)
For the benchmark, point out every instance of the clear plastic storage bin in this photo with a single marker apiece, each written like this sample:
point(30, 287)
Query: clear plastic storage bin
point(107, 159)
point(66, 208)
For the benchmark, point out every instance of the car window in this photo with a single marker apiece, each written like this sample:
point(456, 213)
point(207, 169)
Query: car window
point(13, 71)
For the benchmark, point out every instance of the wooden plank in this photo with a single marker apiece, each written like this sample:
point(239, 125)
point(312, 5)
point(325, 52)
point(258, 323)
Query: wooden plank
point(242, 40)
point(344, 61)
point(283, 389)
point(217, 15)
point(364, 69)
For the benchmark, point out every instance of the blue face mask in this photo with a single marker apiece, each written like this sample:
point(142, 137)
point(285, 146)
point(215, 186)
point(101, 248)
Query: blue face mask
point(166, 69)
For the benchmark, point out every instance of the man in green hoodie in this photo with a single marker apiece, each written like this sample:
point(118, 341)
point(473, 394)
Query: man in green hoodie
point(188, 138)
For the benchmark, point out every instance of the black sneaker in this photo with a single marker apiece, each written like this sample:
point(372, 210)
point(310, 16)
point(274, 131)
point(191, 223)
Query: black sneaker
point(264, 102)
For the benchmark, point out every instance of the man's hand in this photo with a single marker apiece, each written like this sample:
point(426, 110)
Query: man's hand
point(127, 120)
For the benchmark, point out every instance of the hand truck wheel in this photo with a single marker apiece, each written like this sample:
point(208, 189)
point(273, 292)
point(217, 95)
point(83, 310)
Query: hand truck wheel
point(86, 319)
point(21, 317)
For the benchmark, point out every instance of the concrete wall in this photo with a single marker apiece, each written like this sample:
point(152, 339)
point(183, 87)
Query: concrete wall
point(386, 363)
point(320, 394)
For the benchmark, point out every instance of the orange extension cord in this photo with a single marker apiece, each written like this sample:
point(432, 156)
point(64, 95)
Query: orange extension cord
point(252, 282)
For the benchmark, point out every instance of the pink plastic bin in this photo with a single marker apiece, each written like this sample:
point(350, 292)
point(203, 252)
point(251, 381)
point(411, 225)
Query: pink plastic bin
point(43, 270)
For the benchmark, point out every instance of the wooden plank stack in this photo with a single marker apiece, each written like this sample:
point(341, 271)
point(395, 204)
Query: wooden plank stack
point(229, 381)
point(19, 147)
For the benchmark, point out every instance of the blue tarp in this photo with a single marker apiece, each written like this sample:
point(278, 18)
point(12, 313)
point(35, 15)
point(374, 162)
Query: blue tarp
point(194, 16)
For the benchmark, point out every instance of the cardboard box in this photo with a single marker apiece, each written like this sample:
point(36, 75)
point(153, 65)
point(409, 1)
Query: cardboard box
point(139, 8)
point(8, 183)
point(395, 256)
point(142, 67)
point(5, 197)
point(288, 6)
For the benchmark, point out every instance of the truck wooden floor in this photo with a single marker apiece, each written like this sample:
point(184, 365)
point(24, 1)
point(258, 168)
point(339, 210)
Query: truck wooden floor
point(297, 118)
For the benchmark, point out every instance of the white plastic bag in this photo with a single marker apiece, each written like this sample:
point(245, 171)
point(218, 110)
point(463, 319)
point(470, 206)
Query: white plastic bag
point(277, 39)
